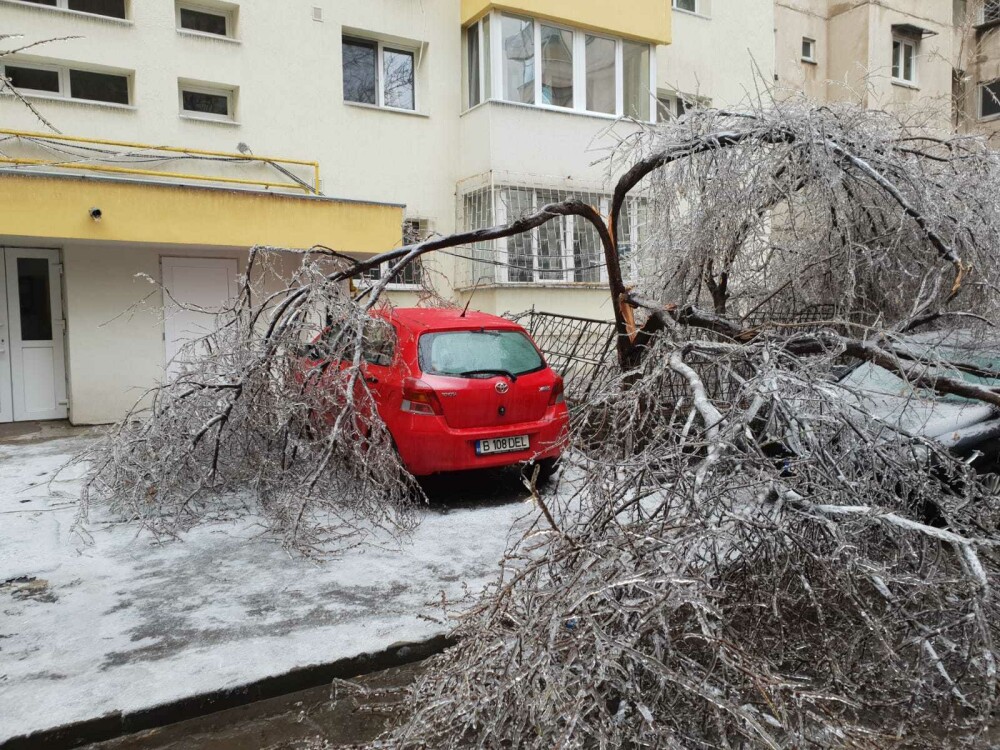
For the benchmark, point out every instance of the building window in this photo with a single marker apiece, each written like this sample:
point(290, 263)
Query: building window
point(601, 84)
point(474, 64)
point(70, 83)
point(989, 100)
point(691, 6)
point(98, 87)
point(566, 249)
point(109, 8)
point(360, 71)
point(808, 50)
point(990, 12)
point(213, 20)
point(378, 75)
point(518, 43)
point(398, 78)
point(208, 102)
point(552, 66)
point(34, 80)
point(478, 63)
point(635, 64)
point(563, 250)
point(904, 61)
point(414, 231)
point(557, 66)
point(671, 105)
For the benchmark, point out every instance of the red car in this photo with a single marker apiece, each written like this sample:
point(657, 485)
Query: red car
point(463, 391)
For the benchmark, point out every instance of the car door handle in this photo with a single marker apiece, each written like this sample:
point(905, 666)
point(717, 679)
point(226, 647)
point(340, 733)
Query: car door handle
point(371, 379)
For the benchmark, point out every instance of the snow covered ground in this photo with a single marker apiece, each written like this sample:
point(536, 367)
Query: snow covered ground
point(120, 622)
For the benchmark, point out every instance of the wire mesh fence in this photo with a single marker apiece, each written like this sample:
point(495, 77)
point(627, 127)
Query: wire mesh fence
point(583, 352)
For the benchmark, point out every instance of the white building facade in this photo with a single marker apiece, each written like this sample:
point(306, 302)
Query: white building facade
point(191, 130)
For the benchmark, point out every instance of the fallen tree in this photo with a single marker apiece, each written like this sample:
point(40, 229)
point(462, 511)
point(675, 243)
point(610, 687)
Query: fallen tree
point(749, 557)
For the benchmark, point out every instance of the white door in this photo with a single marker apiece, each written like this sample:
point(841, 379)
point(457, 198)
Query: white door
point(192, 288)
point(35, 329)
point(6, 392)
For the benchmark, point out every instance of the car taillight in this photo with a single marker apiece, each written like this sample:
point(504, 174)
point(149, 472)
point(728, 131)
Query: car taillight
point(557, 396)
point(420, 398)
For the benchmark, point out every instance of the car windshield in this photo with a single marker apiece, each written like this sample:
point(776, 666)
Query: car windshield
point(478, 353)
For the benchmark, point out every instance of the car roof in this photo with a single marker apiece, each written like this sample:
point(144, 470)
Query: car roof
point(446, 319)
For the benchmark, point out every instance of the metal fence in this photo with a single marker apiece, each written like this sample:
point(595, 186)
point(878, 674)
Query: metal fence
point(582, 350)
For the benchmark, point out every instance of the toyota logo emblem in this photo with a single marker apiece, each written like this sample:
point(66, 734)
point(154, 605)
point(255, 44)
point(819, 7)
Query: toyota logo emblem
point(502, 387)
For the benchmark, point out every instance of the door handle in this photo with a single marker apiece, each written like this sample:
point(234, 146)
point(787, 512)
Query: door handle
point(371, 379)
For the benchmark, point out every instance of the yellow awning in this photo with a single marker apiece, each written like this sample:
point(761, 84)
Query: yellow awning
point(59, 208)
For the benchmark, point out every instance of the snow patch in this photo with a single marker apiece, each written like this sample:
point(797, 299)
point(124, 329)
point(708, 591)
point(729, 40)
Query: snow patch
point(129, 622)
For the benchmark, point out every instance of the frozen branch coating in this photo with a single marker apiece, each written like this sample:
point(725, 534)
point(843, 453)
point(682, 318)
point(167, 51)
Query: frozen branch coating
point(711, 581)
point(257, 411)
point(753, 556)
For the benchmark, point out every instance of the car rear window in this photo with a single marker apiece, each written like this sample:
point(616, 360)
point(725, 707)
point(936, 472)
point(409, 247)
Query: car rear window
point(464, 352)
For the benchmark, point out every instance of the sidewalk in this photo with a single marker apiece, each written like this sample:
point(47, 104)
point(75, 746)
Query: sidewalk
point(118, 622)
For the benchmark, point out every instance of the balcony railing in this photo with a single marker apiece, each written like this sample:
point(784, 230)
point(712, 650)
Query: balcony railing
point(54, 152)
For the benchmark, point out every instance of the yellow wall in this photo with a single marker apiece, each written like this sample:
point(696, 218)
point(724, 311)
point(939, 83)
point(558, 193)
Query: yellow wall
point(646, 20)
point(58, 208)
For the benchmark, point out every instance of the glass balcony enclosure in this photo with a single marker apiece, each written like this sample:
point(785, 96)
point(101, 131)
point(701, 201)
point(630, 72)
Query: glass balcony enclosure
point(536, 62)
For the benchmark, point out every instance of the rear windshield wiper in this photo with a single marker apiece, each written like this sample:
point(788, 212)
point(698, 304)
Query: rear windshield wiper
point(505, 373)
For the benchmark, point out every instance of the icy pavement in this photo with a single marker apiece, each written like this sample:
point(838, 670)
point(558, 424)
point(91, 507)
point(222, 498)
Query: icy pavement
point(119, 622)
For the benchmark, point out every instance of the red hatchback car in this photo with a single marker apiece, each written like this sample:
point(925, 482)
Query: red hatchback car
point(460, 392)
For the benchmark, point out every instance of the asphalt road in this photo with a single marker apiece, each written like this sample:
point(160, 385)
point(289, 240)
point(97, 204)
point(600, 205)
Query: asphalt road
point(325, 717)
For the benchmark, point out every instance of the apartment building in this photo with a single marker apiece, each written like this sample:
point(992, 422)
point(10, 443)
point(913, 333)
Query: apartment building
point(191, 130)
point(935, 59)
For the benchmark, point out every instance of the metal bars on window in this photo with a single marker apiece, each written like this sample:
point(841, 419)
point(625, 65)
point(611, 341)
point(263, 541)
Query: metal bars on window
point(566, 249)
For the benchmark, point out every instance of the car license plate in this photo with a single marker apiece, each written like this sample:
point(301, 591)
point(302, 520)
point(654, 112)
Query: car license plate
point(502, 445)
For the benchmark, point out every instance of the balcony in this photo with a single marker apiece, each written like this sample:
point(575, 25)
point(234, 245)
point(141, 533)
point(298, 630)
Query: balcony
point(50, 186)
point(62, 154)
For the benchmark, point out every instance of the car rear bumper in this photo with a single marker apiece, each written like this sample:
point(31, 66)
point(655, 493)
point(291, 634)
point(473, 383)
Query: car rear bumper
point(428, 445)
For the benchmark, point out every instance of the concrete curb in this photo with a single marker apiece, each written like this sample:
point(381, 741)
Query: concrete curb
point(117, 724)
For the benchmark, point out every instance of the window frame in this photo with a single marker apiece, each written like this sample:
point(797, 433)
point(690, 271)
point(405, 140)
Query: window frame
point(400, 286)
point(65, 91)
point(484, 39)
point(914, 45)
point(380, 49)
point(983, 87)
point(540, 66)
point(228, 13)
point(811, 57)
point(477, 30)
point(983, 20)
point(567, 225)
point(229, 92)
point(672, 101)
point(619, 76)
point(491, 83)
point(63, 78)
point(63, 6)
point(696, 11)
